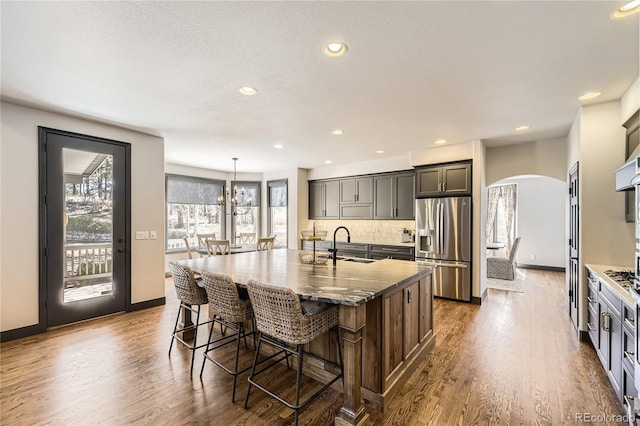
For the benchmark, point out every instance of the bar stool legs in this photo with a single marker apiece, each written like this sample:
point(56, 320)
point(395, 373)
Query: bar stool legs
point(299, 353)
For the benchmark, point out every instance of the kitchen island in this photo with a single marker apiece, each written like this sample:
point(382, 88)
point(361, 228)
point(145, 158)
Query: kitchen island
point(386, 315)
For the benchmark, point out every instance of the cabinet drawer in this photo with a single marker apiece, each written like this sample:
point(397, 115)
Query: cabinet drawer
point(628, 350)
point(628, 386)
point(592, 326)
point(628, 318)
point(391, 249)
point(341, 246)
point(612, 300)
point(592, 296)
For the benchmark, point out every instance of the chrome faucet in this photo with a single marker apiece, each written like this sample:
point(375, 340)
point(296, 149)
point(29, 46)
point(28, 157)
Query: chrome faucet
point(335, 250)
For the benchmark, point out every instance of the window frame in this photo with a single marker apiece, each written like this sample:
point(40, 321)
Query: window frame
point(275, 183)
point(223, 206)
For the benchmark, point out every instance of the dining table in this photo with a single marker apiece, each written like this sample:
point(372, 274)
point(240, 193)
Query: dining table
point(233, 249)
point(360, 290)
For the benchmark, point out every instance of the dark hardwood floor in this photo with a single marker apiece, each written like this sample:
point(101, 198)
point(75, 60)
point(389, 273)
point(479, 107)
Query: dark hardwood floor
point(514, 360)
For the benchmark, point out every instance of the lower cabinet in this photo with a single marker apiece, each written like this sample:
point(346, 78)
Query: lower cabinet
point(399, 324)
point(612, 331)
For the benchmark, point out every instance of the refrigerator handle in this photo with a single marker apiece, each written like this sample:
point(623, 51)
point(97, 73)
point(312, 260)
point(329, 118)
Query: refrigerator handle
point(436, 245)
point(441, 224)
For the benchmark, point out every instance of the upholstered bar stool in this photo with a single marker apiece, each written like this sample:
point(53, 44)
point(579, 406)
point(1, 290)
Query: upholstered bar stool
point(191, 297)
point(281, 322)
point(227, 308)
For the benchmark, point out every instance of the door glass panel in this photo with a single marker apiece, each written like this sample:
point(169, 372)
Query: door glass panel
point(88, 225)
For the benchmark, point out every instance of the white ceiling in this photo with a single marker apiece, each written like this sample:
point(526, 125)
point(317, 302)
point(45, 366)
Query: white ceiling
point(414, 72)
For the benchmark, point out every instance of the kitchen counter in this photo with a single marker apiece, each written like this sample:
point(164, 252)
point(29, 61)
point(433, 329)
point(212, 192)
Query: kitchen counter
point(349, 283)
point(621, 291)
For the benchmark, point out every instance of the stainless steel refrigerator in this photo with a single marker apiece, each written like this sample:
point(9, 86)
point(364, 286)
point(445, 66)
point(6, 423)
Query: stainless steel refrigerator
point(443, 239)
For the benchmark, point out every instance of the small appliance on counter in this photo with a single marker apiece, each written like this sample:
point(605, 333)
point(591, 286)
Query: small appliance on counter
point(406, 236)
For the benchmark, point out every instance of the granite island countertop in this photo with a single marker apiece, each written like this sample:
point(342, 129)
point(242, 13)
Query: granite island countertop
point(348, 283)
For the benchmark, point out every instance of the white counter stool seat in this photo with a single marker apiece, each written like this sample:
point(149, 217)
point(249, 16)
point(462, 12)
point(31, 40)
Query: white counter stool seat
point(281, 323)
point(229, 309)
point(191, 297)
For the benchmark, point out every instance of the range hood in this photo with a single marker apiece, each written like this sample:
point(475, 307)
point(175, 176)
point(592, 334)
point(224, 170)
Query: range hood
point(628, 175)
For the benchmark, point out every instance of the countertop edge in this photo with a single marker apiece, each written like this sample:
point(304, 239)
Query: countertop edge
point(598, 270)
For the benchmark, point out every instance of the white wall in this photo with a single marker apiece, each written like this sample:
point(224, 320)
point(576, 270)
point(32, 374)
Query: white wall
point(540, 220)
point(19, 203)
point(361, 168)
point(630, 102)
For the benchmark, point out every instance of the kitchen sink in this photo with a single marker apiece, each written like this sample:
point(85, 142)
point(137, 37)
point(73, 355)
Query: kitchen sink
point(352, 259)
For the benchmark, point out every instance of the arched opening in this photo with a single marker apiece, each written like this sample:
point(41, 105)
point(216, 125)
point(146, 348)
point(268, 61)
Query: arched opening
point(538, 218)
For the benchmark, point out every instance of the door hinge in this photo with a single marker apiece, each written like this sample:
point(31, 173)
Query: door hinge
point(570, 242)
point(44, 251)
point(570, 191)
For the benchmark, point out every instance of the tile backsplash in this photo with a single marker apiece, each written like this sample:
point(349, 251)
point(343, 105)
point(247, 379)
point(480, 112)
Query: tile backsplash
point(365, 230)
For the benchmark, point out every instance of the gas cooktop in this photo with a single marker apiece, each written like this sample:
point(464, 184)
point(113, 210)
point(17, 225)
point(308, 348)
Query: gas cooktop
point(623, 277)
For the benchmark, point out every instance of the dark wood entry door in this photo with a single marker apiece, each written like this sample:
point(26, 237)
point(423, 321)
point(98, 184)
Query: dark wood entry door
point(574, 248)
point(84, 226)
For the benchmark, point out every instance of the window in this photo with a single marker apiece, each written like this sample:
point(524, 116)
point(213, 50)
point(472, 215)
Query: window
point(245, 216)
point(192, 208)
point(277, 214)
point(501, 217)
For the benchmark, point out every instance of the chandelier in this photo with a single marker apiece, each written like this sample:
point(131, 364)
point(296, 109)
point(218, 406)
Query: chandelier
point(237, 200)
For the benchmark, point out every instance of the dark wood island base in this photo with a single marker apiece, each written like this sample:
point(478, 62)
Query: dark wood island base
point(386, 317)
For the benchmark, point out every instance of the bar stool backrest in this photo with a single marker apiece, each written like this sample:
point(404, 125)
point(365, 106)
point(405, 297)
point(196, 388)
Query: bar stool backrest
point(224, 299)
point(186, 287)
point(278, 313)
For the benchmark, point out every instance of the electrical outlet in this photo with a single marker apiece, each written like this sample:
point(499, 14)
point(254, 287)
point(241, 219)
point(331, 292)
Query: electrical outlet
point(532, 256)
point(142, 235)
point(152, 235)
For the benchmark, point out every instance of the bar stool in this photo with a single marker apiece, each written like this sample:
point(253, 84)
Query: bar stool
point(191, 296)
point(281, 322)
point(227, 308)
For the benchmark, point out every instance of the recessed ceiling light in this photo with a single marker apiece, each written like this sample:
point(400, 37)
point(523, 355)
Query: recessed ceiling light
point(335, 48)
point(589, 95)
point(249, 91)
point(381, 151)
point(337, 132)
point(327, 161)
point(628, 9)
point(278, 146)
point(521, 128)
point(440, 141)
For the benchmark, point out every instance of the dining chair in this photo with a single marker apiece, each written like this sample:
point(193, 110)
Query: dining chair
point(186, 244)
point(191, 297)
point(215, 247)
point(247, 238)
point(284, 323)
point(230, 309)
point(265, 243)
point(503, 268)
point(202, 240)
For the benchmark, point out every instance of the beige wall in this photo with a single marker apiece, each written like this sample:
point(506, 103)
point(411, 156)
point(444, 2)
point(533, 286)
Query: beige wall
point(597, 141)
point(630, 102)
point(544, 158)
point(19, 206)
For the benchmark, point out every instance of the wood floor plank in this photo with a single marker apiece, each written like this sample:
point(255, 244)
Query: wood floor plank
point(515, 360)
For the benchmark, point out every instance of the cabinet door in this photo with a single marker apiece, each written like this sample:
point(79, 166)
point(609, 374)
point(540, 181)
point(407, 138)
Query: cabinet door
point(603, 336)
point(348, 190)
point(384, 190)
point(411, 318)
point(428, 181)
point(364, 190)
point(332, 199)
point(405, 196)
point(456, 179)
point(316, 200)
point(615, 353)
point(426, 313)
point(392, 331)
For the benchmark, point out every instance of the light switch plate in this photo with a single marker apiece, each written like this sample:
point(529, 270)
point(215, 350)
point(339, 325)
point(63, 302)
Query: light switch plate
point(153, 235)
point(142, 235)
